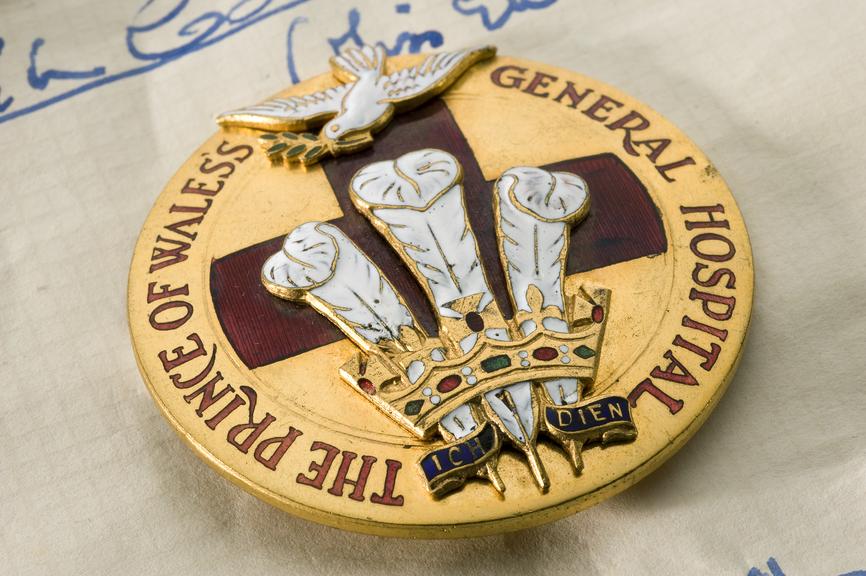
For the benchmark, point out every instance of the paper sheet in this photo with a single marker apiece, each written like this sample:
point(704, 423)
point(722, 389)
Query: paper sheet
point(100, 102)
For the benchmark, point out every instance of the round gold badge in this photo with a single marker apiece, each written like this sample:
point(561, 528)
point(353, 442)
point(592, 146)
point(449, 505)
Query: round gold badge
point(440, 296)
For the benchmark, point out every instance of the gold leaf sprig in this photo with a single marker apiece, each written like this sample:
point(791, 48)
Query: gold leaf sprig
point(305, 148)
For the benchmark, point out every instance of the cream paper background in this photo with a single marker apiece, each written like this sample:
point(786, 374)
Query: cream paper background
point(94, 481)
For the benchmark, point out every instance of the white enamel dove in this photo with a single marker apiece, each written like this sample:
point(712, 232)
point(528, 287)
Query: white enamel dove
point(353, 111)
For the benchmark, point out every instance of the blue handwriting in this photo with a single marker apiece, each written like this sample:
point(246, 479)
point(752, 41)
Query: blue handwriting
point(197, 31)
point(776, 570)
point(405, 42)
point(202, 31)
point(4, 104)
point(507, 8)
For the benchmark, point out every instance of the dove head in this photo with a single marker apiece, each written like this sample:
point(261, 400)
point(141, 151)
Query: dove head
point(341, 134)
point(337, 128)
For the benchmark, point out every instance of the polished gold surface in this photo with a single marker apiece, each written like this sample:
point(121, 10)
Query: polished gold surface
point(315, 410)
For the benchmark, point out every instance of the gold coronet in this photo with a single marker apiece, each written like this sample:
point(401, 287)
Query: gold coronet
point(445, 383)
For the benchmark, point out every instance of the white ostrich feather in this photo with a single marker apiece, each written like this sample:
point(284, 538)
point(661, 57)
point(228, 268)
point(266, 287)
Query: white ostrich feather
point(420, 201)
point(442, 247)
point(535, 208)
point(319, 261)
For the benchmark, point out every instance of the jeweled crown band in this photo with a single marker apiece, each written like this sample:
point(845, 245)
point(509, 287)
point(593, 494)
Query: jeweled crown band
point(445, 383)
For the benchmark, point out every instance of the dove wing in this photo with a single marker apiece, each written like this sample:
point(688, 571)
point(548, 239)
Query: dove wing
point(414, 85)
point(294, 113)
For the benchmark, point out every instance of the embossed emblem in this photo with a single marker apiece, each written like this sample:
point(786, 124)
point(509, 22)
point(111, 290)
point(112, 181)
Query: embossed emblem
point(526, 375)
point(352, 112)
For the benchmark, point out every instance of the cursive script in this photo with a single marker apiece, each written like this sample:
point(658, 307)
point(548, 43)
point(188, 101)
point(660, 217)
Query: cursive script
point(776, 570)
point(160, 35)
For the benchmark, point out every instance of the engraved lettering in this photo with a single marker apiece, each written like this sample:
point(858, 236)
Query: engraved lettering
point(162, 317)
point(573, 95)
point(540, 80)
point(360, 481)
point(510, 81)
point(180, 356)
point(647, 385)
point(729, 302)
point(165, 291)
point(638, 122)
point(208, 395)
point(710, 356)
point(603, 104)
point(254, 428)
point(281, 443)
point(387, 497)
point(665, 168)
point(710, 222)
point(320, 468)
point(675, 371)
